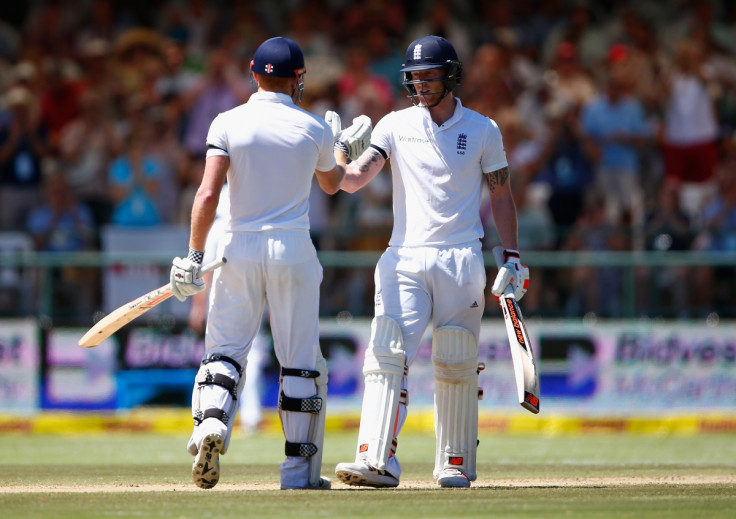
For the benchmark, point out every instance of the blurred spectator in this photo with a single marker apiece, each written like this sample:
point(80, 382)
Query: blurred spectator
point(175, 78)
point(59, 99)
point(385, 58)
point(718, 234)
point(86, 146)
point(666, 290)
point(163, 136)
point(9, 43)
point(194, 23)
point(22, 149)
point(100, 22)
point(62, 224)
point(98, 75)
point(362, 91)
point(691, 129)
point(566, 167)
point(221, 89)
point(135, 52)
point(580, 30)
point(441, 19)
point(595, 289)
point(192, 171)
point(536, 233)
point(487, 83)
point(616, 122)
point(567, 80)
point(134, 179)
point(523, 147)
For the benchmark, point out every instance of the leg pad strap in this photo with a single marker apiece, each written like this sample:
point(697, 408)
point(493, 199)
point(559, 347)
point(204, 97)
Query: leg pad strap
point(312, 404)
point(219, 379)
point(300, 450)
point(221, 415)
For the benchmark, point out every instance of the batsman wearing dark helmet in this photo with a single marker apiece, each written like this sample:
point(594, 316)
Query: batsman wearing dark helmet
point(443, 156)
point(269, 150)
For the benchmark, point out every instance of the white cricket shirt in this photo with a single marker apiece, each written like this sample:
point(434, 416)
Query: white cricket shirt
point(438, 173)
point(274, 148)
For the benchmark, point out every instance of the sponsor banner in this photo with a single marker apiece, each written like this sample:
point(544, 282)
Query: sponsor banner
point(19, 365)
point(617, 368)
point(79, 378)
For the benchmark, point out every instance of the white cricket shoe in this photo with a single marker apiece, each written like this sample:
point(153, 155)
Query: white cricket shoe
point(360, 474)
point(453, 478)
point(206, 467)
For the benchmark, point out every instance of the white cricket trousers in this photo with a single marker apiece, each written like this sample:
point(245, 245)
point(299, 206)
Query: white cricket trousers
point(441, 285)
point(419, 285)
point(280, 267)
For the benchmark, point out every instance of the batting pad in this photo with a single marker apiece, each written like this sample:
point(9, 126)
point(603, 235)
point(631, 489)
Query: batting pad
point(317, 425)
point(216, 389)
point(455, 360)
point(383, 371)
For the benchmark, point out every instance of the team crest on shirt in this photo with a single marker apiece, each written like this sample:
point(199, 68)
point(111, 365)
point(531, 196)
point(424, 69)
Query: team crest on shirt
point(462, 143)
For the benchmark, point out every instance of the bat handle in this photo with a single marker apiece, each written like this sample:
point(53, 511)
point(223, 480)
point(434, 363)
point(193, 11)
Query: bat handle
point(498, 256)
point(216, 264)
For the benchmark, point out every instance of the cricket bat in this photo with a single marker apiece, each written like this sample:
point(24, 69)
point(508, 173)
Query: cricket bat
point(522, 356)
point(118, 318)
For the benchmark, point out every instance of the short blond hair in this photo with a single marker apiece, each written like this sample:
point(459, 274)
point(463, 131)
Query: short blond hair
point(275, 84)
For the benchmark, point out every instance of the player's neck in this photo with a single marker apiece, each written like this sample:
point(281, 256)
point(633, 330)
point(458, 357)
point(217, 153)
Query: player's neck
point(443, 111)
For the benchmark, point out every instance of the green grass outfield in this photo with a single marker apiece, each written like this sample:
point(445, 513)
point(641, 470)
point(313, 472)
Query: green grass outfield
point(595, 475)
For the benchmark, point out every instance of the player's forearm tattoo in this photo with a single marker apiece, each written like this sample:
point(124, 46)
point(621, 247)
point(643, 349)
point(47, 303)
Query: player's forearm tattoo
point(497, 178)
point(371, 160)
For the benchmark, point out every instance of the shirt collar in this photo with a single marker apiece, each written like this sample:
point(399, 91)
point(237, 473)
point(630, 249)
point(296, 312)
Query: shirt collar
point(272, 97)
point(455, 117)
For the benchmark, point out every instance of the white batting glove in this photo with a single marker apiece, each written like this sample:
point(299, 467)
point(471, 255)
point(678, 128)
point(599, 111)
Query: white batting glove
point(354, 139)
point(511, 273)
point(185, 280)
point(334, 120)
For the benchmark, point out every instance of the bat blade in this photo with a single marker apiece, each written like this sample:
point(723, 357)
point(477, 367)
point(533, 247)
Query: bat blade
point(522, 354)
point(121, 316)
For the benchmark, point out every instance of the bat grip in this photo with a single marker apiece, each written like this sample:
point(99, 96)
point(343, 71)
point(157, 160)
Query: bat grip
point(212, 265)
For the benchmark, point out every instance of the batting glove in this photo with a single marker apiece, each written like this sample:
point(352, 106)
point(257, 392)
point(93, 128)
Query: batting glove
point(511, 273)
point(185, 280)
point(353, 140)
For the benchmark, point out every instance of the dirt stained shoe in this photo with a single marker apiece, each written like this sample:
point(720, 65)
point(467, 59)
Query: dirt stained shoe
point(453, 478)
point(206, 467)
point(360, 474)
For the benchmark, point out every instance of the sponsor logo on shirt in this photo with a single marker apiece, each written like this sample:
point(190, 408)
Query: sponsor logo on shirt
point(412, 140)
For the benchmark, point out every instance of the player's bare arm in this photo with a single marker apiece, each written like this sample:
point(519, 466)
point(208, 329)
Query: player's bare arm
point(362, 171)
point(503, 207)
point(330, 181)
point(206, 199)
point(497, 179)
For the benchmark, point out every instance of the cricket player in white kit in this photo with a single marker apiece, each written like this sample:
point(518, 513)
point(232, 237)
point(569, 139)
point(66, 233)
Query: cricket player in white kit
point(268, 149)
point(442, 156)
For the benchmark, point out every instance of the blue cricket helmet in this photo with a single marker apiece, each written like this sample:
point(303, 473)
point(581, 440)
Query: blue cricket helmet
point(278, 57)
point(429, 52)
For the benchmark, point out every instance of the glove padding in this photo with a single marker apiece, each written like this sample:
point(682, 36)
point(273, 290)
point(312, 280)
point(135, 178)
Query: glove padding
point(356, 138)
point(185, 280)
point(511, 273)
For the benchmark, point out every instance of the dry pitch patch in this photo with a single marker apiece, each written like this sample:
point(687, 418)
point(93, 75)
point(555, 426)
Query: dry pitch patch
point(411, 484)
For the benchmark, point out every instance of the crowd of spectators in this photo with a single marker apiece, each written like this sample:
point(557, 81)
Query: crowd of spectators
point(618, 120)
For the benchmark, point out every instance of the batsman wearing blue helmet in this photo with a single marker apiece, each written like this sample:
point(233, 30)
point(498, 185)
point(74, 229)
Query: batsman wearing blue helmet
point(442, 156)
point(269, 150)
